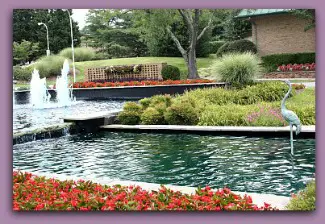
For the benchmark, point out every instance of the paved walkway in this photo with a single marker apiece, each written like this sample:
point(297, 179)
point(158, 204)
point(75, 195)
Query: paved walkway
point(276, 201)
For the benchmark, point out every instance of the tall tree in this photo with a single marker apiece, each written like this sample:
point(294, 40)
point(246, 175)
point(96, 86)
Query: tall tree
point(162, 22)
point(25, 27)
point(110, 30)
point(307, 14)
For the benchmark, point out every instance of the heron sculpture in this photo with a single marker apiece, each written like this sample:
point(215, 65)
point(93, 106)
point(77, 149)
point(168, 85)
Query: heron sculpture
point(290, 116)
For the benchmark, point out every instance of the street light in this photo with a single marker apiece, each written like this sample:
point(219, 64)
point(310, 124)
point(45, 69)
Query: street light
point(47, 37)
point(72, 49)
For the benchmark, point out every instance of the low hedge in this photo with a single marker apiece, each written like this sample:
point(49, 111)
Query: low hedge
point(271, 62)
point(256, 105)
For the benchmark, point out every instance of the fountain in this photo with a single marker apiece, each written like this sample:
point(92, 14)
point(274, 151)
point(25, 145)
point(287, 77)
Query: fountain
point(39, 96)
point(63, 93)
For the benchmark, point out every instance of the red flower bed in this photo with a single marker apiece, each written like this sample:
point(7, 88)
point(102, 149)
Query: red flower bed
point(137, 83)
point(31, 192)
point(297, 67)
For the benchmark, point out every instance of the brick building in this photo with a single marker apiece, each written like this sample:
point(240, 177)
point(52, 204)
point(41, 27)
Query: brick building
point(276, 31)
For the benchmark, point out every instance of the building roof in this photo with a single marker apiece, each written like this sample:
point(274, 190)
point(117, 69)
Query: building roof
point(260, 12)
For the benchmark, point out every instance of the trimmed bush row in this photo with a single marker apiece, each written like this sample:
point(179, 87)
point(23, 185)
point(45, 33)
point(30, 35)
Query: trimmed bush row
point(255, 105)
point(271, 62)
point(138, 83)
point(31, 192)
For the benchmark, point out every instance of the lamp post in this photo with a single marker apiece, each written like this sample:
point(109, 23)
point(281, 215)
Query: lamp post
point(47, 38)
point(72, 49)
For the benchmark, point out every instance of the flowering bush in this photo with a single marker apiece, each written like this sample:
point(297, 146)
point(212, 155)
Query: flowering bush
point(137, 83)
point(297, 67)
point(31, 192)
point(266, 116)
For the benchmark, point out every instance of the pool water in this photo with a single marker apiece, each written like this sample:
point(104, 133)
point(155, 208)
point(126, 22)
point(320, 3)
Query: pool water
point(261, 165)
point(27, 118)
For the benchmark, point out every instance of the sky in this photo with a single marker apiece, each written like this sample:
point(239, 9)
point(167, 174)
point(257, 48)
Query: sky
point(79, 15)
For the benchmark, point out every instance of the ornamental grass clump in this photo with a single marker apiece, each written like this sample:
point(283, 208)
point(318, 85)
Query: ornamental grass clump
point(237, 69)
point(31, 192)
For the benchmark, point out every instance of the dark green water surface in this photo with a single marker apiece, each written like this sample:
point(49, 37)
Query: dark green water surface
point(262, 165)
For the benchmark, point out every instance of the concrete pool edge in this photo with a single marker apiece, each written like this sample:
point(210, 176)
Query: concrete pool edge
point(306, 131)
point(277, 201)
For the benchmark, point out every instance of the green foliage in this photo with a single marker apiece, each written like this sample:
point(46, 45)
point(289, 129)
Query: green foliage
point(271, 62)
point(22, 51)
point(264, 91)
point(234, 28)
point(129, 117)
point(170, 72)
point(215, 45)
point(225, 115)
point(25, 27)
point(305, 200)
point(237, 68)
point(131, 114)
point(145, 102)
point(181, 112)
point(80, 54)
point(237, 46)
point(50, 65)
point(23, 74)
point(153, 116)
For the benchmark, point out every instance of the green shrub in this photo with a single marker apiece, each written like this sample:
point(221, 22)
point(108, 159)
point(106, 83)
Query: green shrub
point(131, 114)
point(101, 56)
point(264, 91)
point(237, 46)
point(215, 45)
point(225, 115)
point(237, 68)
point(80, 54)
point(217, 96)
point(271, 62)
point(24, 74)
point(129, 117)
point(305, 200)
point(181, 112)
point(170, 72)
point(152, 116)
point(132, 106)
point(50, 65)
point(145, 102)
point(165, 99)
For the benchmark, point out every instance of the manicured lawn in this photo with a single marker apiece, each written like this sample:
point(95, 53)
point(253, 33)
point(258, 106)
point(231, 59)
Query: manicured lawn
point(179, 62)
point(81, 66)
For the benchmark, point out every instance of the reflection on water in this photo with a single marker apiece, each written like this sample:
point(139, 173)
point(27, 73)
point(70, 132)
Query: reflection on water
point(243, 164)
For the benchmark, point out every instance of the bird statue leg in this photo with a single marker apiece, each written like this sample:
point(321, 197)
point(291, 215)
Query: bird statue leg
point(291, 138)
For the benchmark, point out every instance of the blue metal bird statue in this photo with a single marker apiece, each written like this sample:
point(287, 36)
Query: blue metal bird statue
point(290, 116)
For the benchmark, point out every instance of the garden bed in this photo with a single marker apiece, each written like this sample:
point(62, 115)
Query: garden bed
point(290, 75)
point(31, 192)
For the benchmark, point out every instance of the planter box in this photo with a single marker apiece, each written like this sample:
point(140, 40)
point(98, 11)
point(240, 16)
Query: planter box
point(293, 74)
point(125, 92)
